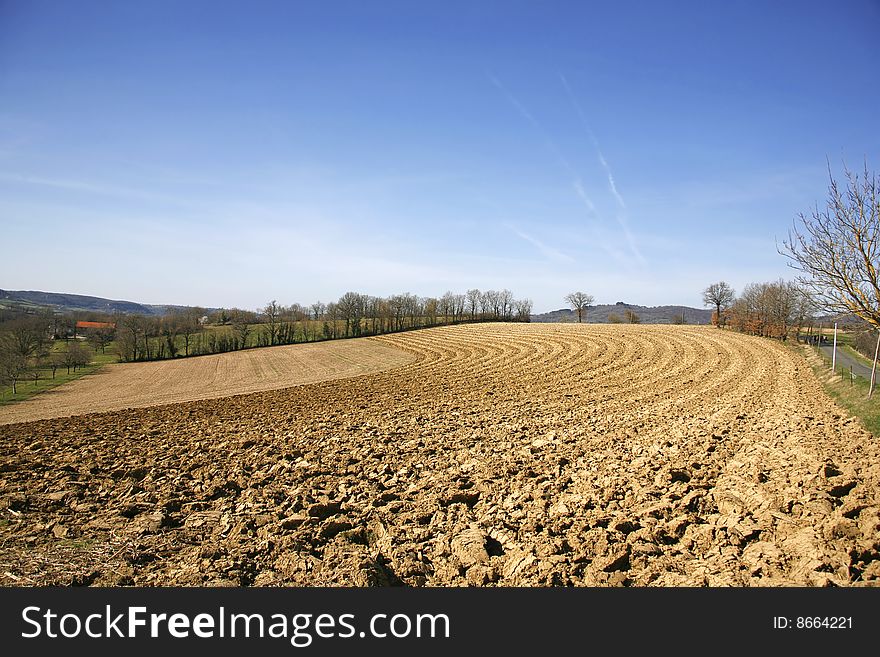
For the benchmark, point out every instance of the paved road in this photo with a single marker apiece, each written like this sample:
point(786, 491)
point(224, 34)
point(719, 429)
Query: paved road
point(844, 360)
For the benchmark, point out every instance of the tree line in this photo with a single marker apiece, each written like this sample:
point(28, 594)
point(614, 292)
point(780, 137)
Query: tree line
point(26, 340)
point(770, 309)
point(353, 315)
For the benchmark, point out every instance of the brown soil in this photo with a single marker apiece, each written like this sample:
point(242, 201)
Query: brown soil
point(137, 385)
point(502, 455)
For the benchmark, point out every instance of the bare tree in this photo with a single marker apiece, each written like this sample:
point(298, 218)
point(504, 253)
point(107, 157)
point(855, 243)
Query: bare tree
point(446, 308)
point(838, 249)
point(720, 295)
point(524, 310)
point(220, 317)
point(241, 327)
point(12, 364)
point(330, 315)
point(37, 367)
point(415, 308)
point(272, 313)
point(491, 303)
point(396, 306)
point(351, 307)
point(28, 336)
point(56, 360)
point(486, 304)
point(770, 309)
point(188, 325)
point(68, 357)
point(579, 302)
point(76, 356)
point(505, 304)
point(99, 338)
point(79, 355)
point(132, 328)
point(375, 312)
point(631, 317)
point(473, 300)
point(169, 327)
point(432, 308)
point(458, 304)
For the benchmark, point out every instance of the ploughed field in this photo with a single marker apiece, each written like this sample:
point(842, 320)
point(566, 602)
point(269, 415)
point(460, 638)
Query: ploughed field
point(496, 454)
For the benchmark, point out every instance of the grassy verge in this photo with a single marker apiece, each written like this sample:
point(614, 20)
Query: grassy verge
point(851, 395)
point(27, 387)
point(867, 362)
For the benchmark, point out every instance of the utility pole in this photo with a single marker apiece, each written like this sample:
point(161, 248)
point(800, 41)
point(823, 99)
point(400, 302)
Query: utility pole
point(834, 350)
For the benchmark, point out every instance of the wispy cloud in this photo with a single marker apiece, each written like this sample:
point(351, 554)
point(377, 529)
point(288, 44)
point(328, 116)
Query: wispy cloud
point(513, 101)
point(582, 194)
point(86, 187)
point(586, 124)
point(611, 182)
point(621, 216)
point(630, 238)
point(547, 251)
point(576, 182)
point(526, 114)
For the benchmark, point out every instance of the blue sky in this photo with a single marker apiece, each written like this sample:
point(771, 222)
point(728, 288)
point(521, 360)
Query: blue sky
point(229, 153)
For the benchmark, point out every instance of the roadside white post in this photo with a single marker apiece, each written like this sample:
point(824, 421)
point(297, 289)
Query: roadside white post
point(874, 367)
point(834, 350)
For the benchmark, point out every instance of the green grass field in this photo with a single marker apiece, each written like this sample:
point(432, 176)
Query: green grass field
point(27, 387)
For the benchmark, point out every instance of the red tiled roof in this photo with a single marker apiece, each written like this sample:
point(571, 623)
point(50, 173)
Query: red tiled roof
point(95, 325)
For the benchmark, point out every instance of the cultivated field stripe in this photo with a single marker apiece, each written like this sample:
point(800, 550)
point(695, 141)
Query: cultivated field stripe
point(138, 385)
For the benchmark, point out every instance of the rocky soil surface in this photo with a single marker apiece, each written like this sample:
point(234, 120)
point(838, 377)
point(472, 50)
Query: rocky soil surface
point(504, 454)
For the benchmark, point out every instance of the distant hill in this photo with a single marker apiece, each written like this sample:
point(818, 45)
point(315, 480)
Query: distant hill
point(30, 300)
point(647, 314)
point(843, 320)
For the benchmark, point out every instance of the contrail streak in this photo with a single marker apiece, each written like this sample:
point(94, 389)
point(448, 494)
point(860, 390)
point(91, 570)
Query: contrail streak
point(547, 251)
point(582, 194)
point(551, 145)
point(577, 184)
point(523, 110)
point(621, 217)
point(592, 135)
point(513, 101)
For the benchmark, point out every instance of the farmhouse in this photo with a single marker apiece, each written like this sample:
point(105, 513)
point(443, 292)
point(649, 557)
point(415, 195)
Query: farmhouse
point(95, 325)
